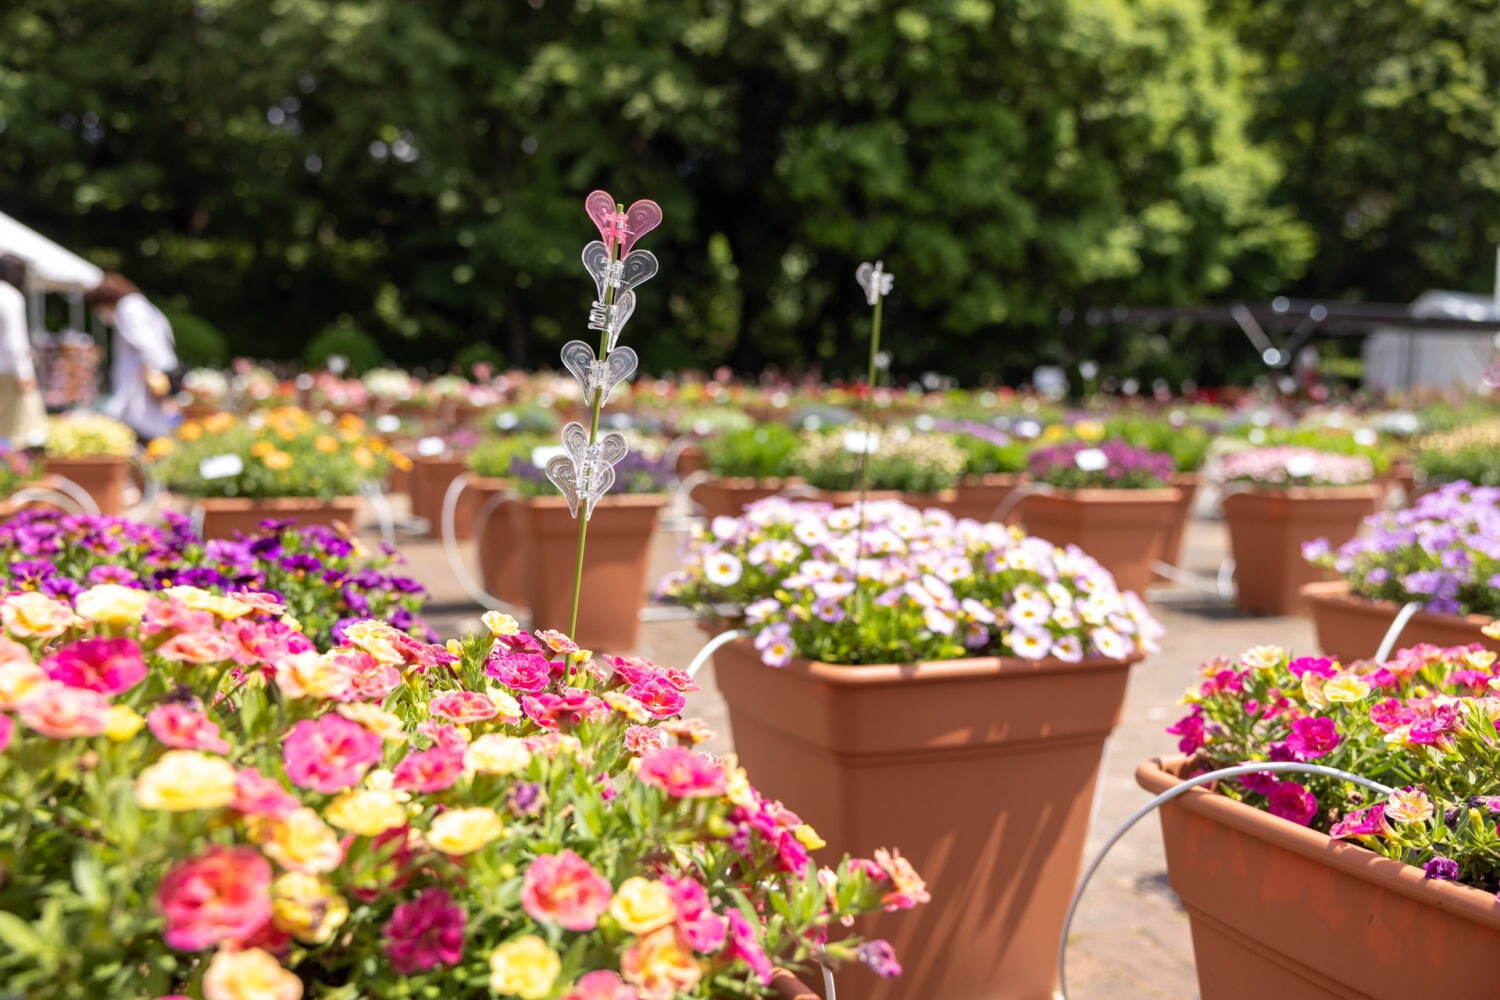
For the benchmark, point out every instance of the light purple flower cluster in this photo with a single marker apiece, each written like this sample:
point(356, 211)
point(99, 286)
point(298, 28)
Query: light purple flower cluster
point(888, 583)
point(1444, 551)
point(1282, 466)
point(1113, 463)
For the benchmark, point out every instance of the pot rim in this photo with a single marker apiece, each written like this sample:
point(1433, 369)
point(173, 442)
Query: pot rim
point(1338, 592)
point(1157, 774)
point(1108, 494)
point(274, 503)
point(967, 668)
point(608, 500)
point(1363, 491)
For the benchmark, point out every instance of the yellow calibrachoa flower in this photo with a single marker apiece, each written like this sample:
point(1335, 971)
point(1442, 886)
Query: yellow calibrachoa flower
point(190, 431)
point(326, 444)
point(112, 604)
point(160, 447)
point(464, 831)
point(32, 615)
point(376, 638)
point(184, 780)
point(218, 605)
point(809, 838)
point(1492, 630)
point(628, 707)
point(306, 907)
point(1312, 689)
point(1346, 689)
point(524, 967)
point(278, 460)
point(495, 753)
point(642, 905)
point(377, 720)
point(122, 722)
point(499, 623)
point(218, 423)
point(506, 706)
point(17, 677)
point(260, 449)
point(251, 974)
point(660, 965)
point(1263, 657)
point(303, 842)
point(1408, 805)
point(368, 812)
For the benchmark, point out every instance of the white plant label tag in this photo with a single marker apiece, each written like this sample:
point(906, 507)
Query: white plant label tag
point(861, 442)
point(221, 466)
point(388, 423)
point(1301, 466)
point(429, 447)
point(1091, 460)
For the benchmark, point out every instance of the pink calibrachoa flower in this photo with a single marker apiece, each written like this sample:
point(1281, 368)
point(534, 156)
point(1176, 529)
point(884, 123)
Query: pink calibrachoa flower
point(222, 896)
point(573, 705)
point(528, 672)
point(463, 707)
point(7, 729)
point(1369, 822)
point(63, 712)
point(1313, 737)
point(430, 770)
point(641, 740)
point(424, 933)
point(1292, 801)
point(257, 795)
point(185, 728)
point(108, 666)
point(702, 928)
point(330, 753)
point(564, 889)
point(660, 697)
point(681, 773)
point(197, 647)
point(744, 945)
point(556, 641)
point(601, 984)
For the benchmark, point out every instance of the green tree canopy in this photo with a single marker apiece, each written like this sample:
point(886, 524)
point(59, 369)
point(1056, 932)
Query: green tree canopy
point(416, 170)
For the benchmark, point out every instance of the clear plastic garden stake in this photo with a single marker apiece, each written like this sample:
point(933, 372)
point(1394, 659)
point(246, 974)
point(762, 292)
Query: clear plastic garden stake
point(586, 469)
point(876, 283)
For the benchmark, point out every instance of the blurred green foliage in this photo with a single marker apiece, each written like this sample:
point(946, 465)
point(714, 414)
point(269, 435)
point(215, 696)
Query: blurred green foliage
point(420, 167)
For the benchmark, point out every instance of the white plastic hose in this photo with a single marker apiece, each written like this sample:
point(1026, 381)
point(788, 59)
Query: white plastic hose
point(710, 647)
point(1397, 626)
point(449, 531)
point(64, 490)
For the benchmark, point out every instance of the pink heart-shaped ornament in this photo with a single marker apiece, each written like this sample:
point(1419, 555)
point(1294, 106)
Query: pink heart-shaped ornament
point(621, 229)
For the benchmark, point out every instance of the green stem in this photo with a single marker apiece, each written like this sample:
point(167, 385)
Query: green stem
point(856, 596)
point(598, 404)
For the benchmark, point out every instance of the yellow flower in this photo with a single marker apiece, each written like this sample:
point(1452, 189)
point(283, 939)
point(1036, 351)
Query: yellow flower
point(524, 967)
point(306, 907)
point(17, 677)
point(1346, 688)
point(506, 707)
point(160, 447)
point(32, 615)
point(809, 838)
point(278, 460)
point(190, 431)
point(499, 623)
point(1312, 690)
point(312, 675)
point(219, 605)
point(627, 706)
point(302, 842)
point(641, 905)
point(112, 604)
point(1479, 659)
point(376, 638)
point(660, 965)
point(122, 722)
point(1409, 805)
point(183, 780)
point(218, 423)
point(249, 975)
point(261, 449)
point(494, 753)
point(464, 831)
point(377, 720)
point(326, 444)
point(737, 787)
point(365, 811)
point(1492, 630)
point(1089, 430)
point(1263, 657)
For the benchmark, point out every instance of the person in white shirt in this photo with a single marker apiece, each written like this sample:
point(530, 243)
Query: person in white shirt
point(23, 419)
point(144, 354)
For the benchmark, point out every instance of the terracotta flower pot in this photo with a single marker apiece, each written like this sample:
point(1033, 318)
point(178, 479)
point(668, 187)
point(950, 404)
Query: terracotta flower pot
point(1279, 910)
point(500, 566)
point(786, 986)
point(1125, 530)
point(844, 498)
point(615, 563)
point(1267, 529)
point(729, 496)
point(979, 496)
point(102, 477)
point(224, 516)
point(1171, 550)
point(980, 771)
point(1351, 627)
point(691, 459)
point(430, 478)
point(942, 499)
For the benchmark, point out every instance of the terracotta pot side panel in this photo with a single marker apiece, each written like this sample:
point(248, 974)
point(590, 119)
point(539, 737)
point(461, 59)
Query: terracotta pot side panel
point(1351, 627)
point(1266, 534)
point(225, 518)
point(104, 479)
point(1126, 535)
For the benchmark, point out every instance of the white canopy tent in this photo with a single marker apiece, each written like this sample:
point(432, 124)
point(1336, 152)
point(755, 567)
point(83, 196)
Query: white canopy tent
point(53, 267)
point(1397, 358)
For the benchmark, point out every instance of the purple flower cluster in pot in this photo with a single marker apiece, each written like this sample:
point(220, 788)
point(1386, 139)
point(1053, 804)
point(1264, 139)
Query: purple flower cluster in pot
point(1112, 464)
point(1443, 551)
point(323, 576)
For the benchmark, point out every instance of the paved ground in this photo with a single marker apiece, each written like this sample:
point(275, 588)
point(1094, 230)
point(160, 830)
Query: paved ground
point(1131, 940)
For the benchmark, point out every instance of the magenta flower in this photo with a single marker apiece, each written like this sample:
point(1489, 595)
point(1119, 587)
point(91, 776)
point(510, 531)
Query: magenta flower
point(221, 896)
point(528, 672)
point(430, 770)
point(425, 933)
point(108, 666)
point(1190, 728)
point(1320, 665)
point(681, 773)
point(601, 984)
point(329, 754)
point(702, 928)
point(257, 795)
point(744, 945)
point(7, 729)
point(564, 889)
point(185, 728)
point(880, 957)
point(1369, 822)
point(1312, 738)
point(463, 707)
point(660, 697)
point(1291, 801)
